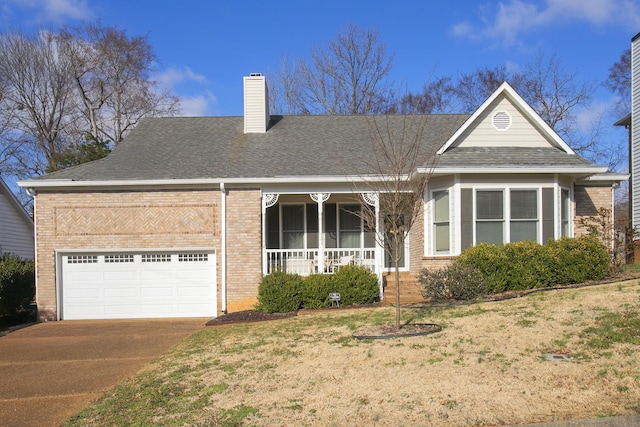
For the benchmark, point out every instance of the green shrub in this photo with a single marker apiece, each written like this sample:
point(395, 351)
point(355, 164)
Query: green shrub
point(579, 259)
point(280, 292)
point(491, 261)
point(316, 289)
point(357, 285)
point(17, 284)
point(528, 265)
point(458, 281)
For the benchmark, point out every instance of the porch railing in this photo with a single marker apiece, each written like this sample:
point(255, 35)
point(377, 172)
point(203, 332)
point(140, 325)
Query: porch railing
point(306, 261)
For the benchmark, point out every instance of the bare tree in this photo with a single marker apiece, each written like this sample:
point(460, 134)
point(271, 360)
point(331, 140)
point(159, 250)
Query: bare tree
point(112, 72)
point(347, 76)
point(619, 82)
point(404, 164)
point(472, 89)
point(284, 94)
point(556, 93)
point(66, 97)
point(38, 97)
point(436, 97)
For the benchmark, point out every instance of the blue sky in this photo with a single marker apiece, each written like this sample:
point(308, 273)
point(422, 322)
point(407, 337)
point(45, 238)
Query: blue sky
point(205, 47)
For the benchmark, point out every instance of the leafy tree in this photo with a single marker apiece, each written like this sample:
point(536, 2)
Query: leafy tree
point(91, 149)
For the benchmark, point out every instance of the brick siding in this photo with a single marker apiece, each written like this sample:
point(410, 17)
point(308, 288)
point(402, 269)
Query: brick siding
point(588, 199)
point(244, 243)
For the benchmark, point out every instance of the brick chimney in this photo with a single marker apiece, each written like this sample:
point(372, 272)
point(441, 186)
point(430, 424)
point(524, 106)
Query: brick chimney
point(256, 103)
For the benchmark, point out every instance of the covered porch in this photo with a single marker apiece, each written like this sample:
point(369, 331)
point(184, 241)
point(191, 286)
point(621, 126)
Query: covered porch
point(317, 233)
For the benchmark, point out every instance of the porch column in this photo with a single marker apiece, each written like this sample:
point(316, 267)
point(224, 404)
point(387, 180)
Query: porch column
point(373, 199)
point(268, 200)
point(320, 198)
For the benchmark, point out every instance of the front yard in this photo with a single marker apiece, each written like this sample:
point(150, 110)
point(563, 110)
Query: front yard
point(491, 364)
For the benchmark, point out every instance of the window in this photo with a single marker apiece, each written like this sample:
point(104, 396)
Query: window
point(156, 257)
point(118, 258)
point(441, 221)
point(524, 215)
point(193, 257)
point(82, 259)
point(293, 226)
point(565, 210)
point(350, 226)
point(489, 217)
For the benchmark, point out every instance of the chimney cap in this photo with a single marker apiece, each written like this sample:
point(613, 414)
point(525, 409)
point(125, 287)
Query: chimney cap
point(255, 75)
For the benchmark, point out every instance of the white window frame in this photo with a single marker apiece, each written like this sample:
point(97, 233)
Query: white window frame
point(537, 220)
point(569, 212)
point(433, 221)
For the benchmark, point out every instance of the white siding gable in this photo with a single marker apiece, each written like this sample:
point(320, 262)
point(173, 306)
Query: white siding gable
point(526, 128)
point(16, 232)
point(521, 133)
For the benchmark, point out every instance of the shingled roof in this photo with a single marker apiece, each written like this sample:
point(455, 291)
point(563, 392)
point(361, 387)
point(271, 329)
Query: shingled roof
point(181, 148)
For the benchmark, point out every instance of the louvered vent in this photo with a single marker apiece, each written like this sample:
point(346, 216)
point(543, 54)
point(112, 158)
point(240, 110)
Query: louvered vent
point(502, 121)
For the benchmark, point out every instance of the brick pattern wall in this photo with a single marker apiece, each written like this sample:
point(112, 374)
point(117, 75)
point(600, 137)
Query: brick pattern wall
point(436, 263)
point(588, 199)
point(119, 220)
point(244, 243)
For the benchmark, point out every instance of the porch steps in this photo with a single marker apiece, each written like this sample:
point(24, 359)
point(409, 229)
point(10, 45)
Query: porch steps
point(409, 289)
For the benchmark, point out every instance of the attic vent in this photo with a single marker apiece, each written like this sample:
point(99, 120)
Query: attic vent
point(502, 121)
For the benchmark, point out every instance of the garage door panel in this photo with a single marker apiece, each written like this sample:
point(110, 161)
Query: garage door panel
point(120, 292)
point(107, 286)
point(156, 291)
point(193, 291)
point(161, 274)
point(120, 275)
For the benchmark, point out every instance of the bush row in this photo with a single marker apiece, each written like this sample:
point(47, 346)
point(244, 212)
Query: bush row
point(17, 284)
point(517, 266)
point(281, 292)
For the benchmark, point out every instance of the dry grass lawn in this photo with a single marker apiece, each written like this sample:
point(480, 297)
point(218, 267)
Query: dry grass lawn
point(486, 367)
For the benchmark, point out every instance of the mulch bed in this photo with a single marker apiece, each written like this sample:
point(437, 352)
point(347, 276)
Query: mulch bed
point(249, 316)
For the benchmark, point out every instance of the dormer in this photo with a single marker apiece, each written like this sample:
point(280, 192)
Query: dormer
point(256, 103)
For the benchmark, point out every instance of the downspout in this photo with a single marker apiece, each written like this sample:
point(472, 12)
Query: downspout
point(223, 244)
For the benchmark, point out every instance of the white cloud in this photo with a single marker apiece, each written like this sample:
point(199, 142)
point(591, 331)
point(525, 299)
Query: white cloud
point(57, 11)
point(197, 105)
point(174, 76)
point(510, 19)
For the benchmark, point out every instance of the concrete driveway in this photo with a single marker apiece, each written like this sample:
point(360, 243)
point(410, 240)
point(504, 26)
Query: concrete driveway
point(50, 371)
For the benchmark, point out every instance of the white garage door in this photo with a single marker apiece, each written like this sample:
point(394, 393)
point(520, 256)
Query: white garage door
point(138, 285)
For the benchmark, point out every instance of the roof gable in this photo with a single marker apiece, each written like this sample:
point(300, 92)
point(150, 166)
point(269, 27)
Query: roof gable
point(505, 120)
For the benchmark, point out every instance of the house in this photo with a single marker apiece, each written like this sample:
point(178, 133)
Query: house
point(16, 226)
point(633, 123)
point(187, 214)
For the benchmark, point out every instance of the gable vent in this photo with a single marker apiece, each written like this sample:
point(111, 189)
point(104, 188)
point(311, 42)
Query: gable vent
point(502, 121)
